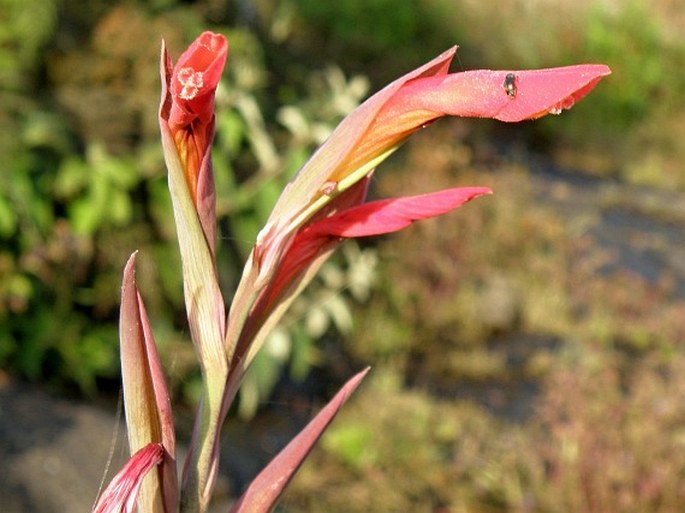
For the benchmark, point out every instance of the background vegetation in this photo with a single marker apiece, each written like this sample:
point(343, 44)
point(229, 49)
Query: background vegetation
point(518, 345)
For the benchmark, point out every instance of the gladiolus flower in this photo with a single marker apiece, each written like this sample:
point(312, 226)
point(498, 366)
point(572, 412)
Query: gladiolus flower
point(276, 269)
point(377, 127)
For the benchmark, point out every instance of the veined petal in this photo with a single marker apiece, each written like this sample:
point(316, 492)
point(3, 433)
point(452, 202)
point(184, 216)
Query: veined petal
point(504, 95)
point(390, 215)
point(122, 493)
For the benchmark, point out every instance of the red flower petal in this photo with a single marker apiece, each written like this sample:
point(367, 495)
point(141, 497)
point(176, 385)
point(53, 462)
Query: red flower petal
point(503, 95)
point(374, 218)
point(391, 215)
point(195, 79)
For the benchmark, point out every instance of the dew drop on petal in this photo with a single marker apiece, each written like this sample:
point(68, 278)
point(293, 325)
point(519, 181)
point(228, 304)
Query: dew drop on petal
point(191, 82)
point(564, 104)
point(329, 187)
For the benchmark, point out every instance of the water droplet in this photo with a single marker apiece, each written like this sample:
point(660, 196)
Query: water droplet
point(329, 187)
point(564, 104)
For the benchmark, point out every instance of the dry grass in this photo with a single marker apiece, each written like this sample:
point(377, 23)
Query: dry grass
point(555, 371)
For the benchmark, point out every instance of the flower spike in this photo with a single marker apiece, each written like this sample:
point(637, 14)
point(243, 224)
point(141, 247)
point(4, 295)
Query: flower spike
point(186, 120)
point(325, 203)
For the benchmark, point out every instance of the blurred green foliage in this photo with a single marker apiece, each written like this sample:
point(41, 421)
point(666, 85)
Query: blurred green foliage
point(610, 36)
point(386, 28)
point(86, 187)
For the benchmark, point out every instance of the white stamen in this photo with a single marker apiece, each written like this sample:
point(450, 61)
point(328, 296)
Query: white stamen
point(191, 82)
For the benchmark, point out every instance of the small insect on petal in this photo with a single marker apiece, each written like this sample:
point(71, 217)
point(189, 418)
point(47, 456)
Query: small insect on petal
point(510, 85)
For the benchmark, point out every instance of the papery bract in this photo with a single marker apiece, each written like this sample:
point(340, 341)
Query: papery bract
point(146, 397)
point(121, 494)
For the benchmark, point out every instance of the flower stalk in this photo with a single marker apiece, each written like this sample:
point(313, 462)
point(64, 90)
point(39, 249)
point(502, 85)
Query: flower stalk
point(186, 119)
